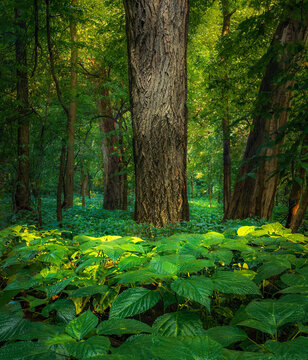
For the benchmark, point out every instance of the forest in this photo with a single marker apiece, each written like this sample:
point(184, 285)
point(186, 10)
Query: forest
point(153, 180)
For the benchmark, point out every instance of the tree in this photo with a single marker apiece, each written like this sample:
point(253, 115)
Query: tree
point(22, 195)
point(255, 189)
point(226, 13)
point(157, 42)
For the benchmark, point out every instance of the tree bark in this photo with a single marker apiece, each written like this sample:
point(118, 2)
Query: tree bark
point(300, 214)
point(255, 189)
point(22, 195)
point(110, 152)
point(71, 119)
point(157, 42)
point(298, 188)
point(60, 184)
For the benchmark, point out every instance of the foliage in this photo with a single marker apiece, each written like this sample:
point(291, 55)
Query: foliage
point(241, 293)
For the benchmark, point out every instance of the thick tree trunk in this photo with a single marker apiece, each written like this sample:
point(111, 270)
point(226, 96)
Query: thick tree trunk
point(71, 119)
point(22, 195)
point(110, 153)
point(255, 189)
point(157, 42)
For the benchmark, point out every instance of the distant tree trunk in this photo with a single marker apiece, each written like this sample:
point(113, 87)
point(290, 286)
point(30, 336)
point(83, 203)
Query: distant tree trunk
point(157, 42)
point(225, 119)
point(254, 194)
point(110, 153)
point(22, 195)
point(71, 119)
point(60, 184)
point(123, 169)
point(300, 213)
point(192, 184)
point(84, 182)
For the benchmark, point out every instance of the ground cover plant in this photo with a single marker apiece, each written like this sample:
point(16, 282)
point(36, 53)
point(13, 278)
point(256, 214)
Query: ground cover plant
point(237, 294)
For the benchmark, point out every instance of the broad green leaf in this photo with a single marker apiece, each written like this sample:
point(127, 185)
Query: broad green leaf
point(246, 355)
point(133, 301)
point(82, 325)
point(213, 238)
point(294, 279)
point(89, 291)
point(222, 255)
point(23, 350)
point(58, 287)
point(88, 349)
point(65, 309)
point(196, 288)
point(234, 283)
point(245, 230)
point(272, 314)
point(138, 276)
point(195, 266)
point(130, 262)
point(296, 349)
point(270, 269)
point(226, 335)
point(297, 289)
point(122, 326)
point(180, 323)
point(11, 321)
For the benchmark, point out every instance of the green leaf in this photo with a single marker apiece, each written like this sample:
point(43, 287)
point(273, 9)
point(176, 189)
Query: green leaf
point(212, 238)
point(122, 326)
point(65, 309)
point(23, 350)
point(296, 349)
point(234, 283)
point(89, 291)
point(272, 314)
point(58, 287)
point(138, 276)
point(130, 262)
point(195, 266)
point(133, 301)
point(298, 289)
point(196, 288)
point(270, 269)
point(226, 335)
point(180, 323)
point(87, 349)
point(82, 325)
point(11, 321)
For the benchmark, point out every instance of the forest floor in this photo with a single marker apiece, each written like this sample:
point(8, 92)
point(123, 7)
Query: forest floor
point(93, 220)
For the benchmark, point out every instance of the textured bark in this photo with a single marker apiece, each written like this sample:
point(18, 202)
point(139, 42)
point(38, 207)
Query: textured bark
point(22, 195)
point(255, 196)
point(71, 119)
point(157, 41)
point(110, 153)
point(297, 188)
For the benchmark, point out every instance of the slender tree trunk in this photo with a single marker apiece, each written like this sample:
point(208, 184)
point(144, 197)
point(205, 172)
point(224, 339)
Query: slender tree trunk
point(192, 184)
point(157, 43)
point(110, 153)
point(225, 119)
point(255, 189)
point(300, 213)
point(22, 195)
point(298, 188)
point(60, 184)
point(70, 130)
point(82, 185)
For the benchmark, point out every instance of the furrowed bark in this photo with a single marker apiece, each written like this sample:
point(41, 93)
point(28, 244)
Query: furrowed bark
point(157, 42)
point(254, 194)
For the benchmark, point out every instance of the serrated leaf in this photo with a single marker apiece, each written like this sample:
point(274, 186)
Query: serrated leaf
point(88, 349)
point(23, 350)
point(180, 323)
point(122, 326)
point(234, 283)
point(11, 321)
point(226, 335)
point(130, 262)
point(89, 291)
point(195, 288)
point(82, 325)
point(296, 349)
point(58, 287)
point(65, 309)
point(195, 266)
point(270, 269)
point(133, 301)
